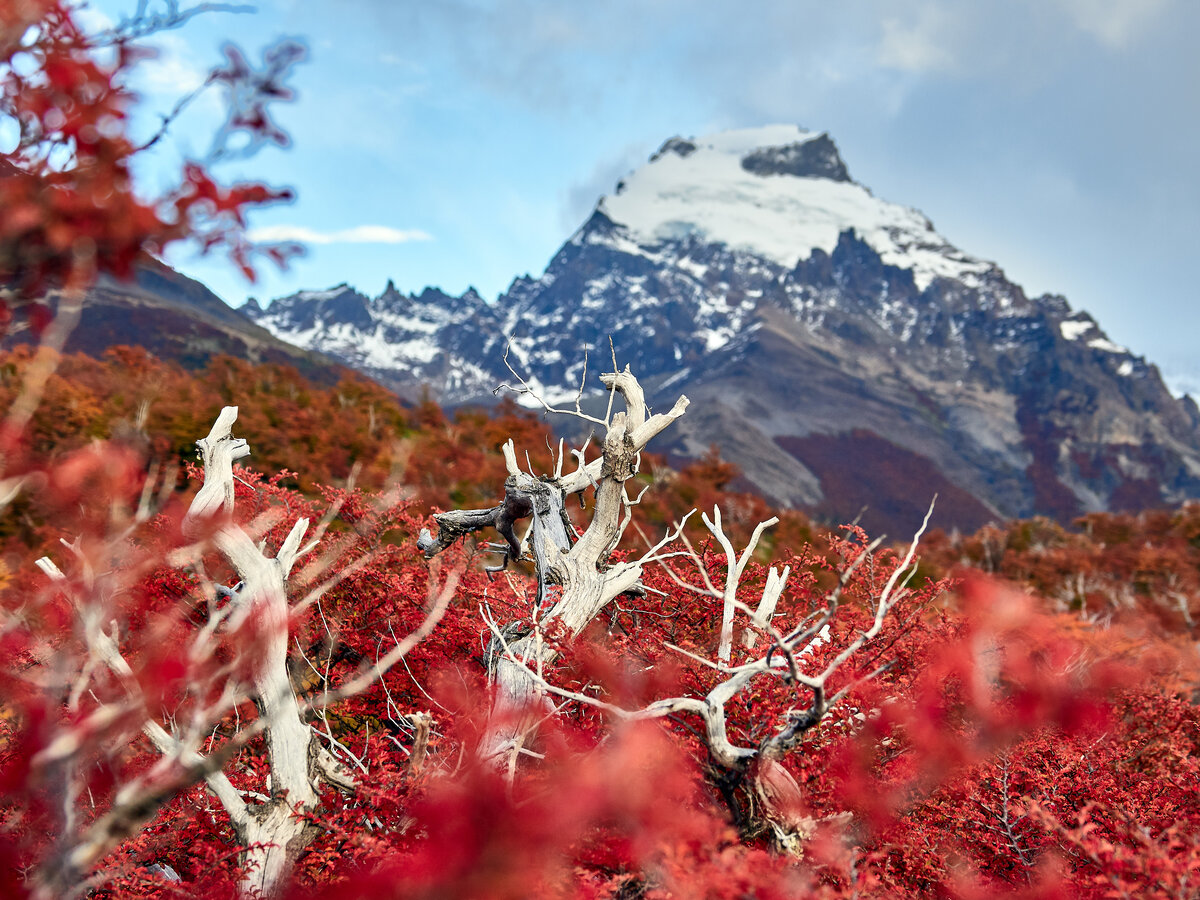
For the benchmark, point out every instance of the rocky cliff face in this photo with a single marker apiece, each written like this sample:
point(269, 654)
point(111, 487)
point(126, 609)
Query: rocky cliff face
point(840, 350)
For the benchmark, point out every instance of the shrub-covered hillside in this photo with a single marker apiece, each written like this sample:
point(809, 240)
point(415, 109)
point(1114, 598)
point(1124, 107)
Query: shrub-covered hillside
point(1007, 713)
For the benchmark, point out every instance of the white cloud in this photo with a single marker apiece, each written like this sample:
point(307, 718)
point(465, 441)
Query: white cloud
point(920, 43)
point(361, 234)
point(1113, 22)
point(1182, 382)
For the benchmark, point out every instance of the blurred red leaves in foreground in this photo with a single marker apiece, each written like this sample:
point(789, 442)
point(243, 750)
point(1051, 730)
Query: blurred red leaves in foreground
point(72, 211)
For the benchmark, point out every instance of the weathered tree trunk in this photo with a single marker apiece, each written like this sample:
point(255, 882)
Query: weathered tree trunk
point(271, 830)
point(588, 583)
point(269, 822)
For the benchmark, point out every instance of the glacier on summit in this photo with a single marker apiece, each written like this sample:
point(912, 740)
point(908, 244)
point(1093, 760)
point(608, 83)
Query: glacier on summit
point(707, 192)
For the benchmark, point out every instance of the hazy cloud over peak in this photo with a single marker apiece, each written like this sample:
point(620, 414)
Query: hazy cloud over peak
point(919, 43)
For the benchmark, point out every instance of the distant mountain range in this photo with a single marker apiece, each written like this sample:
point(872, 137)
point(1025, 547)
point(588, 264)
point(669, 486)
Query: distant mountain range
point(835, 346)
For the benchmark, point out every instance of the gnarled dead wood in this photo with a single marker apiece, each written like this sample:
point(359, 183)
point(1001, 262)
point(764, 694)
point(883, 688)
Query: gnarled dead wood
point(776, 791)
point(269, 825)
point(588, 583)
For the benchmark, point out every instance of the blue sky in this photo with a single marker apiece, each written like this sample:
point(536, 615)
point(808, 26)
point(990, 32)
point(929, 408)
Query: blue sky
point(1057, 137)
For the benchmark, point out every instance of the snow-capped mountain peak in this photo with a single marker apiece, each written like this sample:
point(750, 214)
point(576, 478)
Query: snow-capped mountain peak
point(778, 192)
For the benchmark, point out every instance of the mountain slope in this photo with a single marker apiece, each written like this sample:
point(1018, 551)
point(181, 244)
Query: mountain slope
point(838, 348)
point(178, 318)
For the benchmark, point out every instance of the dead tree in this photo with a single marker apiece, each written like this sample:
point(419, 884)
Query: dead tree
point(520, 659)
point(578, 566)
point(269, 823)
point(773, 789)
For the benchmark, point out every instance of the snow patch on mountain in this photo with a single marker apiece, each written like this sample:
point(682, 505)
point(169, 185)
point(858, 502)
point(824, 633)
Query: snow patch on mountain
point(1082, 325)
point(1106, 345)
point(327, 294)
point(1072, 329)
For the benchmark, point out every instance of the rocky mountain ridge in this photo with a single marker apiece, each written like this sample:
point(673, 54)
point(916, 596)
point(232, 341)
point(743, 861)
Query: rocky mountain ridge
point(837, 347)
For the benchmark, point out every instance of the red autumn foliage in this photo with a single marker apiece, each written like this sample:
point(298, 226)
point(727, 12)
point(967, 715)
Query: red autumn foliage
point(1140, 569)
point(1010, 747)
point(1032, 737)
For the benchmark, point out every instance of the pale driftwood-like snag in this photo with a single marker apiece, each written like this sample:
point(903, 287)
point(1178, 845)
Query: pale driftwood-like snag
point(270, 823)
point(580, 567)
point(272, 830)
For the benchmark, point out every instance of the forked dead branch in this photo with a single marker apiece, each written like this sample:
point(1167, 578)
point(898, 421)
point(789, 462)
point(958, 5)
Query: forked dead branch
point(580, 566)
